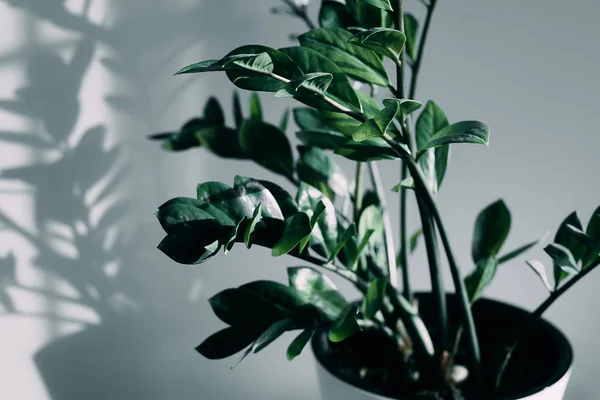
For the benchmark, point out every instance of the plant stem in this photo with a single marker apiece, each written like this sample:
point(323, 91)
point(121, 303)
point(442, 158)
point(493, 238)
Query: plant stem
point(343, 272)
point(416, 67)
point(533, 318)
point(387, 225)
point(357, 192)
point(300, 12)
point(404, 240)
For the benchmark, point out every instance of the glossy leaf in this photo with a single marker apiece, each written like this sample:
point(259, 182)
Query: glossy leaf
point(297, 228)
point(371, 218)
point(258, 194)
point(345, 325)
point(565, 238)
point(310, 61)
point(318, 290)
point(256, 217)
point(254, 81)
point(240, 307)
point(359, 63)
point(268, 146)
point(255, 108)
point(474, 132)
point(373, 301)
point(381, 4)
point(384, 41)
point(411, 28)
point(592, 248)
point(334, 14)
point(593, 232)
point(434, 162)
point(296, 347)
point(259, 62)
point(286, 202)
point(266, 338)
point(378, 125)
point(348, 234)
point(540, 270)
point(481, 277)
point(225, 199)
point(226, 342)
point(314, 83)
point(316, 168)
point(491, 230)
point(326, 232)
point(563, 259)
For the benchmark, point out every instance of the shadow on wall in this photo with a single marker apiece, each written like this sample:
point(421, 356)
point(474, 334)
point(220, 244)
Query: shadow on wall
point(83, 235)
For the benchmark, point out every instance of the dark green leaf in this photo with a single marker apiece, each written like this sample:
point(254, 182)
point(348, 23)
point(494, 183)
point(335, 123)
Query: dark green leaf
point(322, 138)
point(226, 342)
point(225, 199)
point(592, 248)
point(371, 218)
point(593, 232)
point(359, 63)
point(474, 132)
point(348, 234)
point(540, 270)
point(318, 290)
point(563, 259)
point(286, 202)
point(241, 307)
point(334, 14)
point(345, 325)
point(481, 277)
point(287, 299)
point(268, 146)
point(299, 343)
point(177, 217)
point(255, 108)
point(235, 234)
point(386, 42)
point(256, 217)
point(266, 338)
point(434, 161)
point(297, 228)
point(491, 229)
point(316, 168)
point(411, 28)
point(340, 90)
point(183, 247)
point(257, 193)
point(284, 120)
point(373, 301)
point(308, 119)
point(222, 141)
point(256, 62)
point(517, 252)
point(326, 232)
point(213, 113)
point(248, 80)
point(361, 247)
point(381, 4)
point(378, 125)
point(238, 115)
point(370, 16)
point(566, 239)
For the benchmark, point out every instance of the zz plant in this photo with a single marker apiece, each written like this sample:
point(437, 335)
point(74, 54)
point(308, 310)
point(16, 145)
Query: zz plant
point(334, 225)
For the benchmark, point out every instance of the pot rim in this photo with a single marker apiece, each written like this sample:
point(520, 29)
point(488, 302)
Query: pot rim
point(565, 349)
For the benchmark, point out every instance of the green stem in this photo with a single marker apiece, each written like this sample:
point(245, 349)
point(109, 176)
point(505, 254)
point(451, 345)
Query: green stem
point(343, 272)
point(387, 225)
point(357, 192)
point(301, 13)
point(404, 245)
point(416, 67)
point(533, 318)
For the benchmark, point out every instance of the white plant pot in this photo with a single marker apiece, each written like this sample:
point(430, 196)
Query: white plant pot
point(333, 388)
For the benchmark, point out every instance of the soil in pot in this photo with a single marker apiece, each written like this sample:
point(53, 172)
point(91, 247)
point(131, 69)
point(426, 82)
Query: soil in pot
point(370, 361)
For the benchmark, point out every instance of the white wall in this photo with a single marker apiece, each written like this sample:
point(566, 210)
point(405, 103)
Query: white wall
point(528, 69)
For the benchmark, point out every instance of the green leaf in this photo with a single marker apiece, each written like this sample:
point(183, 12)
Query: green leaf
point(540, 270)
point(359, 63)
point(481, 277)
point(593, 232)
point(286, 202)
point(373, 301)
point(255, 108)
point(314, 83)
point(340, 90)
point(177, 217)
point(334, 14)
point(318, 290)
point(226, 342)
point(241, 307)
point(297, 228)
point(235, 233)
point(284, 120)
point(238, 115)
point(565, 238)
point(591, 246)
point(361, 247)
point(371, 218)
point(348, 234)
point(373, 149)
point(308, 119)
point(378, 125)
point(474, 132)
point(316, 168)
point(299, 343)
point(259, 82)
point(184, 248)
point(325, 233)
point(370, 16)
point(433, 161)
point(386, 42)
point(213, 113)
point(260, 62)
point(221, 140)
point(287, 299)
point(268, 146)
point(411, 28)
point(517, 252)
point(256, 217)
point(322, 138)
point(563, 259)
point(408, 183)
point(381, 4)
point(225, 199)
point(266, 338)
point(345, 325)
point(258, 194)
point(491, 230)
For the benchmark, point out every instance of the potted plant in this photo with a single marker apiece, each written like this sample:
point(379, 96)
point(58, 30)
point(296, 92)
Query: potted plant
point(392, 342)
